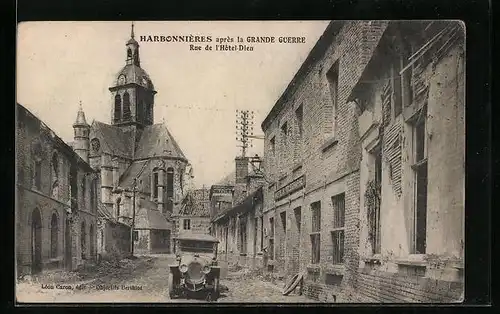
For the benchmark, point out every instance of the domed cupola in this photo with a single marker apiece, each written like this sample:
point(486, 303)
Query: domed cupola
point(133, 91)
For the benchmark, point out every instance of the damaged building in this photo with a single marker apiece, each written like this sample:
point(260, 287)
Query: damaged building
point(411, 102)
point(56, 200)
point(364, 158)
point(194, 215)
point(236, 213)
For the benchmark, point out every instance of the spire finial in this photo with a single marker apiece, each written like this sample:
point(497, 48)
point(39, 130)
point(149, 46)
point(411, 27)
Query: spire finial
point(132, 30)
point(80, 105)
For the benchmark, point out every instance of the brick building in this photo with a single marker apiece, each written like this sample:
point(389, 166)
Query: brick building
point(412, 176)
point(133, 154)
point(312, 155)
point(327, 172)
point(236, 213)
point(56, 204)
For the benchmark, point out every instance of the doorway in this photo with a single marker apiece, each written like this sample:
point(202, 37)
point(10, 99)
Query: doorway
point(36, 242)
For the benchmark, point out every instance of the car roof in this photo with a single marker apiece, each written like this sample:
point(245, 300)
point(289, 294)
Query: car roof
point(197, 237)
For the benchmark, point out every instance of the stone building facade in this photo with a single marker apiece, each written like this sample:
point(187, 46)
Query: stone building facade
point(311, 151)
point(56, 204)
point(236, 214)
point(412, 175)
point(320, 174)
point(136, 158)
point(194, 215)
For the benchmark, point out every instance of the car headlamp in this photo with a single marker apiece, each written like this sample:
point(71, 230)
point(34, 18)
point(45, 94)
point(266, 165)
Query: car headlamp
point(183, 268)
point(206, 269)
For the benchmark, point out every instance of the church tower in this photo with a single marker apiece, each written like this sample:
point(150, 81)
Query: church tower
point(132, 91)
point(81, 135)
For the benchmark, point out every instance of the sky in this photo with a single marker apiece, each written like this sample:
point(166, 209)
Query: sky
point(60, 64)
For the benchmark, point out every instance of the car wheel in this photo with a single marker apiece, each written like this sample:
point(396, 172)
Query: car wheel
point(171, 287)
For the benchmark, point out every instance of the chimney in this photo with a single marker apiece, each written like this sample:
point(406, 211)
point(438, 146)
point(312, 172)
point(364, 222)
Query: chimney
point(241, 170)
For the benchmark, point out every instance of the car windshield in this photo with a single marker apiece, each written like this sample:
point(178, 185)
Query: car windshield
point(196, 246)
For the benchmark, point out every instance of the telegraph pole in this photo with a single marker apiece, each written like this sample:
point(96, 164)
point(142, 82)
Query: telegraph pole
point(133, 220)
point(244, 129)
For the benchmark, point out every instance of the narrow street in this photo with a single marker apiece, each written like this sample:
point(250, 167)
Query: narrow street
point(146, 281)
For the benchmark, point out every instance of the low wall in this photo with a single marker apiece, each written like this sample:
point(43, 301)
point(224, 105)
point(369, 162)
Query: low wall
point(117, 239)
point(385, 287)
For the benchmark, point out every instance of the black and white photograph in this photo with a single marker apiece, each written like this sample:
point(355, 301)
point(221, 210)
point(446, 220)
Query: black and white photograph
point(314, 161)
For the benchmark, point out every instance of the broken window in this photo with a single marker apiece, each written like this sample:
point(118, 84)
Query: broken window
point(397, 87)
point(373, 199)
point(406, 76)
point(338, 204)
point(420, 185)
point(315, 232)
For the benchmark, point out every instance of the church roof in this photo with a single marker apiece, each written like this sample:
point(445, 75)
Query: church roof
point(148, 217)
point(134, 74)
point(155, 141)
point(127, 179)
point(113, 139)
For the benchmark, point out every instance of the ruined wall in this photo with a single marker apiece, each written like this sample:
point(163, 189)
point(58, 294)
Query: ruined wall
point(327, 152)
point(397, 274)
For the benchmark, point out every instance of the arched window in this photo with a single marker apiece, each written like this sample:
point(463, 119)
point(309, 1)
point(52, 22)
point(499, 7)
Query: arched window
point(54, 235)
point(37, 176)
point(83, 243)
point(118, 201)
point(155, 182)
point(126, 106)
point(170, 189)
point(37, 155)
point(84, 190)
point(55, 190)
point(118, 108)
point(55, 165)
point(129, 53)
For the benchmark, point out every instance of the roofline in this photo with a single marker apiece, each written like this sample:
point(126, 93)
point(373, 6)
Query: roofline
point(160, 157)
point(116, 87)
point(58, 141)
point(257, 192)
point(316, 52)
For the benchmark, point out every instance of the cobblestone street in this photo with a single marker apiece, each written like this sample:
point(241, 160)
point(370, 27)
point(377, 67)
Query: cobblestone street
point(144, 280)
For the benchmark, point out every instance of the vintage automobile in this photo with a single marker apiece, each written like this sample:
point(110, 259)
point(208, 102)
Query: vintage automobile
point(196, 268)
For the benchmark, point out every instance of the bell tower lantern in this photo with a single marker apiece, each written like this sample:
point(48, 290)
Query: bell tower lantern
point(132, 91)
